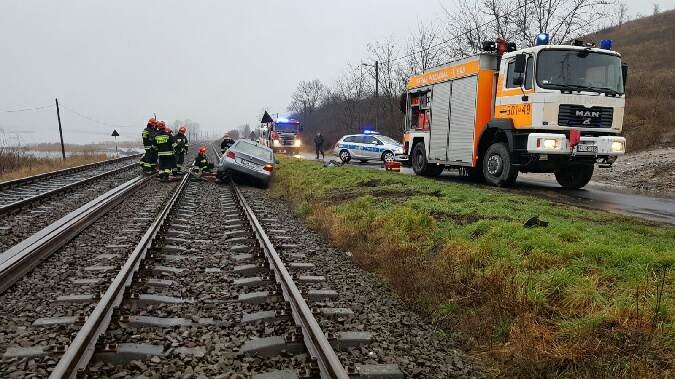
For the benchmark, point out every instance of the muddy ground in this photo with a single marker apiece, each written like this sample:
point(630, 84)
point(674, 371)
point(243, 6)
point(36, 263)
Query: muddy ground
point(651, 171)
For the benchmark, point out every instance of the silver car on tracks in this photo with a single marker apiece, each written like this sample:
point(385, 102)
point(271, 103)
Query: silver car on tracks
point(247, 160)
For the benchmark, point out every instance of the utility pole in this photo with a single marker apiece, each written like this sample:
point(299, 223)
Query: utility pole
point(377, 89)
point(58, 116)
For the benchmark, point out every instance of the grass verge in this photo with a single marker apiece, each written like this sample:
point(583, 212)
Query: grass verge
point(15, 165)
point(589, 295)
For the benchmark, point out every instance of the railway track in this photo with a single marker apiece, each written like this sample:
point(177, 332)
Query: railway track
point(15, 194)
point(192, 286)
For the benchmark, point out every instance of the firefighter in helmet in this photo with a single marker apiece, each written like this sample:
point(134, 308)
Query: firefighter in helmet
point(202, 161)
point(181, 148)
point(227, 142)
point(149, 160)
point(165, 145)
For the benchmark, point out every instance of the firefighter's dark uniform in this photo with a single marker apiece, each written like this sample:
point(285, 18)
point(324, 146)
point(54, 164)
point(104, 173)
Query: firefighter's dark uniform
point(149, 160)
point(181, 148)
point(203, 163)
point(165, 145)
point(227, 142)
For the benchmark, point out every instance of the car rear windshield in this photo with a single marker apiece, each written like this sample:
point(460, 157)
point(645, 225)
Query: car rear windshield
point(254, 151)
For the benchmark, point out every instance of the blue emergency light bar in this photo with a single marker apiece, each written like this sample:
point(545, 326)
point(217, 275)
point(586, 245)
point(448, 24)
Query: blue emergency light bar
point(370, 132)
point(283, 120)
point(542, 39)
point(606, 44)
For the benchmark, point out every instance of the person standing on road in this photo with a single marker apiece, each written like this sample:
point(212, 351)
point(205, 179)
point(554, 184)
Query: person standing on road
point(149, 160)
point(318, 144)
point(165, 145)
point(181, 148)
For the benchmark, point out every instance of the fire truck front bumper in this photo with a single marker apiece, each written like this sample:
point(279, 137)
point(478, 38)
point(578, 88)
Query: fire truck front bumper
point(558, 144)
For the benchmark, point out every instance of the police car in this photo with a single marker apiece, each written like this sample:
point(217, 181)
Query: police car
point(368, 146)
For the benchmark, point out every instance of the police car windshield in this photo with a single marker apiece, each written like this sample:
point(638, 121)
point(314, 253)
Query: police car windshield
point(287, 128)
point(387, 140)
point(577, 70)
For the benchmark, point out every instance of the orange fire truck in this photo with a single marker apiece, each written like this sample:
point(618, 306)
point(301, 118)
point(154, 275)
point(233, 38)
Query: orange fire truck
point(547, 108)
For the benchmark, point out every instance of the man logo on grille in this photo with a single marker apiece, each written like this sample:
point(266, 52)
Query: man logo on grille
point(593, 114)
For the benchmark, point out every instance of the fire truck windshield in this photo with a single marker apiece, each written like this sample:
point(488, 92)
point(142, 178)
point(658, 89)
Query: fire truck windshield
point(287, 128)
point(580, 70)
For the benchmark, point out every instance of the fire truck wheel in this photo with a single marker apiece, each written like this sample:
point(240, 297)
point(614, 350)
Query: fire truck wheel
point(420, 164)
point(574, 176)
point(345, 157)
point(497, 167)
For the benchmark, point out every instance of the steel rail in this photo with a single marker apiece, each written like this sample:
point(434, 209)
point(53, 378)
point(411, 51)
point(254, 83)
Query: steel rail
point(24, 256)
point(83, 346)
point(315, 339)
point(30, 179)
point(23, 202)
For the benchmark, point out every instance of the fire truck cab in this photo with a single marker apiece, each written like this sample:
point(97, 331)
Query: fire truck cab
point(282, 135)
point(547, 108)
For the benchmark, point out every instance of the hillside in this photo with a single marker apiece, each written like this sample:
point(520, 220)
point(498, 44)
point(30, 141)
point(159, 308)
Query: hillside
point(647, 46)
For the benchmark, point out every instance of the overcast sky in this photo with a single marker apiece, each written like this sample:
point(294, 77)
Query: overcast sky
point(217, 62)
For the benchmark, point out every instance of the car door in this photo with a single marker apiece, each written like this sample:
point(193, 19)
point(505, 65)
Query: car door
point(370, 147)
point(356, 147)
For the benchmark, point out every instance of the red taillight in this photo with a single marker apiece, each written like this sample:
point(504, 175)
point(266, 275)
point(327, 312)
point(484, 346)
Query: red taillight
point(275, 135)
point(268, 167)
point(230, 154)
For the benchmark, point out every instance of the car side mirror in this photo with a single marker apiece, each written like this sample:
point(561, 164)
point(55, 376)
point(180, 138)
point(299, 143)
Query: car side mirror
point(624, 74)
point(518, 81)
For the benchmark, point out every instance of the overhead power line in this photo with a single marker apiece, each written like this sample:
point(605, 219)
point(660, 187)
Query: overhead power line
point(28, 109)
point(92, 119)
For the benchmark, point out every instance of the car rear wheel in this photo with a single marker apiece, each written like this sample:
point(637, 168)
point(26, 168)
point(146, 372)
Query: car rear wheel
point(497, 168)
point(574, 176)
point(345, 157)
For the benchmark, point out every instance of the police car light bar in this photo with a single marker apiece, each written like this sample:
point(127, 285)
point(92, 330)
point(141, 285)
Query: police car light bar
point(370, 132)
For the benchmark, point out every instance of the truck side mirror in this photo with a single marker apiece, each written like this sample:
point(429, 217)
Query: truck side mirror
point(624, 74)
point(519, 65)
point(518, 81)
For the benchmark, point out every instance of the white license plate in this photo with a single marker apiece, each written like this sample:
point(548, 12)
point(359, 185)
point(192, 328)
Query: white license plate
point(247, 164)
point(587, 149)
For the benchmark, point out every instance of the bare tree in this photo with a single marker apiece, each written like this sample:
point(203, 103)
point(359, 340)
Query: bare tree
point(621, 13)
point(421, 54)
point(245, 130)
point(234, 133)
point(307, 97)
point(521, 20)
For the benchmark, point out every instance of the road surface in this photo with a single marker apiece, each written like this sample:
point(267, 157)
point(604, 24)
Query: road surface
point(592, 196)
